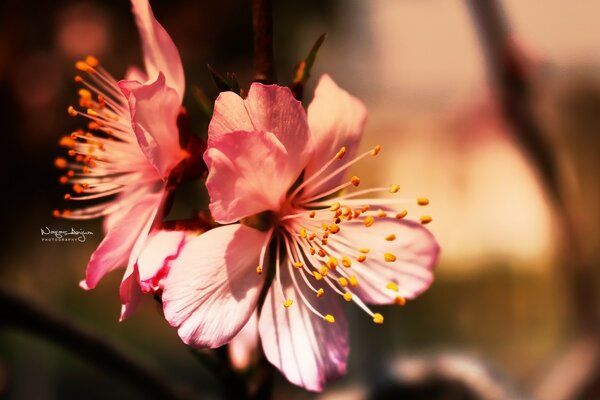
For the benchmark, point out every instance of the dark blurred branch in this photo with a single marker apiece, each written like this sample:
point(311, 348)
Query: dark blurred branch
point(18, 312)
point(514, 89)
point(262, 27)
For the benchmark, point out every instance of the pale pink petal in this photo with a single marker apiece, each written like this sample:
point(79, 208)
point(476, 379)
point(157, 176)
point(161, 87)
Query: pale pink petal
point(414, 247)
point(115, 249)
point(160, 53)
point(125, 201)
point(156, 256)
point(131, 290)
point(335, 119)
point(269, 108)
point(244, 345)
point(212, 288)
point(247, 175)
point(154, 108)
point(307, 349)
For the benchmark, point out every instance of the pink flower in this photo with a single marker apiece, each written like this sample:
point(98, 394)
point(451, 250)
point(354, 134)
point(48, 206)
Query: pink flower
point(275, 175)
point(125, 160)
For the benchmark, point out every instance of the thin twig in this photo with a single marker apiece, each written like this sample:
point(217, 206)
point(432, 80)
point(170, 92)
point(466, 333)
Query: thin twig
point(18, 312)
point(262, 25)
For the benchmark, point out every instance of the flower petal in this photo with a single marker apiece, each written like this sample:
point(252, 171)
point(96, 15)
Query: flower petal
point(415, 249)
point(307, 349)
point(160, 53)
point(242, 347)
point(154, 108)
point(212, 288)
point(335, 119)
point(247, 175)
point(115, 249)
point(269, 108)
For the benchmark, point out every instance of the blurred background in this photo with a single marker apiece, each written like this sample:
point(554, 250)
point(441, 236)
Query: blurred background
point(504, 141)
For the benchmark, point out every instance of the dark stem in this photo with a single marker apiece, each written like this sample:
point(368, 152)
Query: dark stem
point(18, 312)
point(515, 91)
point(262, 25)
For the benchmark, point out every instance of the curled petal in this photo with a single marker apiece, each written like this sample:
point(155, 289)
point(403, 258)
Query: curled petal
point(160, 53)
point(335, 119)
point(307, 349)
point(212, 288)
point(115, 249)
point(247, 175)
point(154, 108)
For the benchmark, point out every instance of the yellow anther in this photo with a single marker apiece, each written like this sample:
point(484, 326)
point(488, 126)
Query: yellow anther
point(375, 150)
point(361, 258)
point(334, 207)
point(353, 281)
point(337, 213)
point(422, 201)
point(356, 213)
point(259, 270)
point(394, 188)
point(92, 61)
point(392, 286)
point(365, 208)
point(72, 111)
point(322, 253)
point(425, 219)
point(78, 79)
point(320, 292)
point(324, 241)
point(401, 214)
point(312, 214)
point(340, 154)
point(317, 275)
point(60, 163)
point(355, 180)
point(324, 270)
point(389, 257)
point(343, 281)
point(369, 221)
point(378, 318)
point(381, 214)
point(390, 237)
point(346, 262)
point(400, 300)
point(298, 264)
point(303, 233)
point(348, 296)
point(93, 113)
point(364, 250)
point(333, 228)
point(312, 251)
point(85, 94)
point(83, 66)
point(312, 236)
point(347, 211)
point(332, 263)
point(288, 303)
point(329, 318)
point(66, 141)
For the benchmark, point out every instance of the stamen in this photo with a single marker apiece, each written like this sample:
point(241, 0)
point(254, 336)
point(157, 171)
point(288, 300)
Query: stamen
point(375, 150)
point(341, 153)
point(422, 201)
point(394, 188)
point(288, 302)
point(401, 214)
point(378, 318)
point(355, 180)
point(400, 300)
point(329, 318)
point(348, 296)
point(369, 221)
point(392, 286)
point(390, 237)
point(259, 270)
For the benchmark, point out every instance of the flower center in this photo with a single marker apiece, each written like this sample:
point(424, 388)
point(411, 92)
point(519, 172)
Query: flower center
point(316, 245)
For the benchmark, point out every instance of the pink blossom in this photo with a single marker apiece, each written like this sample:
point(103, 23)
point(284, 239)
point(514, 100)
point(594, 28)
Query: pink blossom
point(276, 176)
point(126, 158)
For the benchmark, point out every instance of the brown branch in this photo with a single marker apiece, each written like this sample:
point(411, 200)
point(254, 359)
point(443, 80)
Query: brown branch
point(262, 27)
point(515, 92)
point(18, 312)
